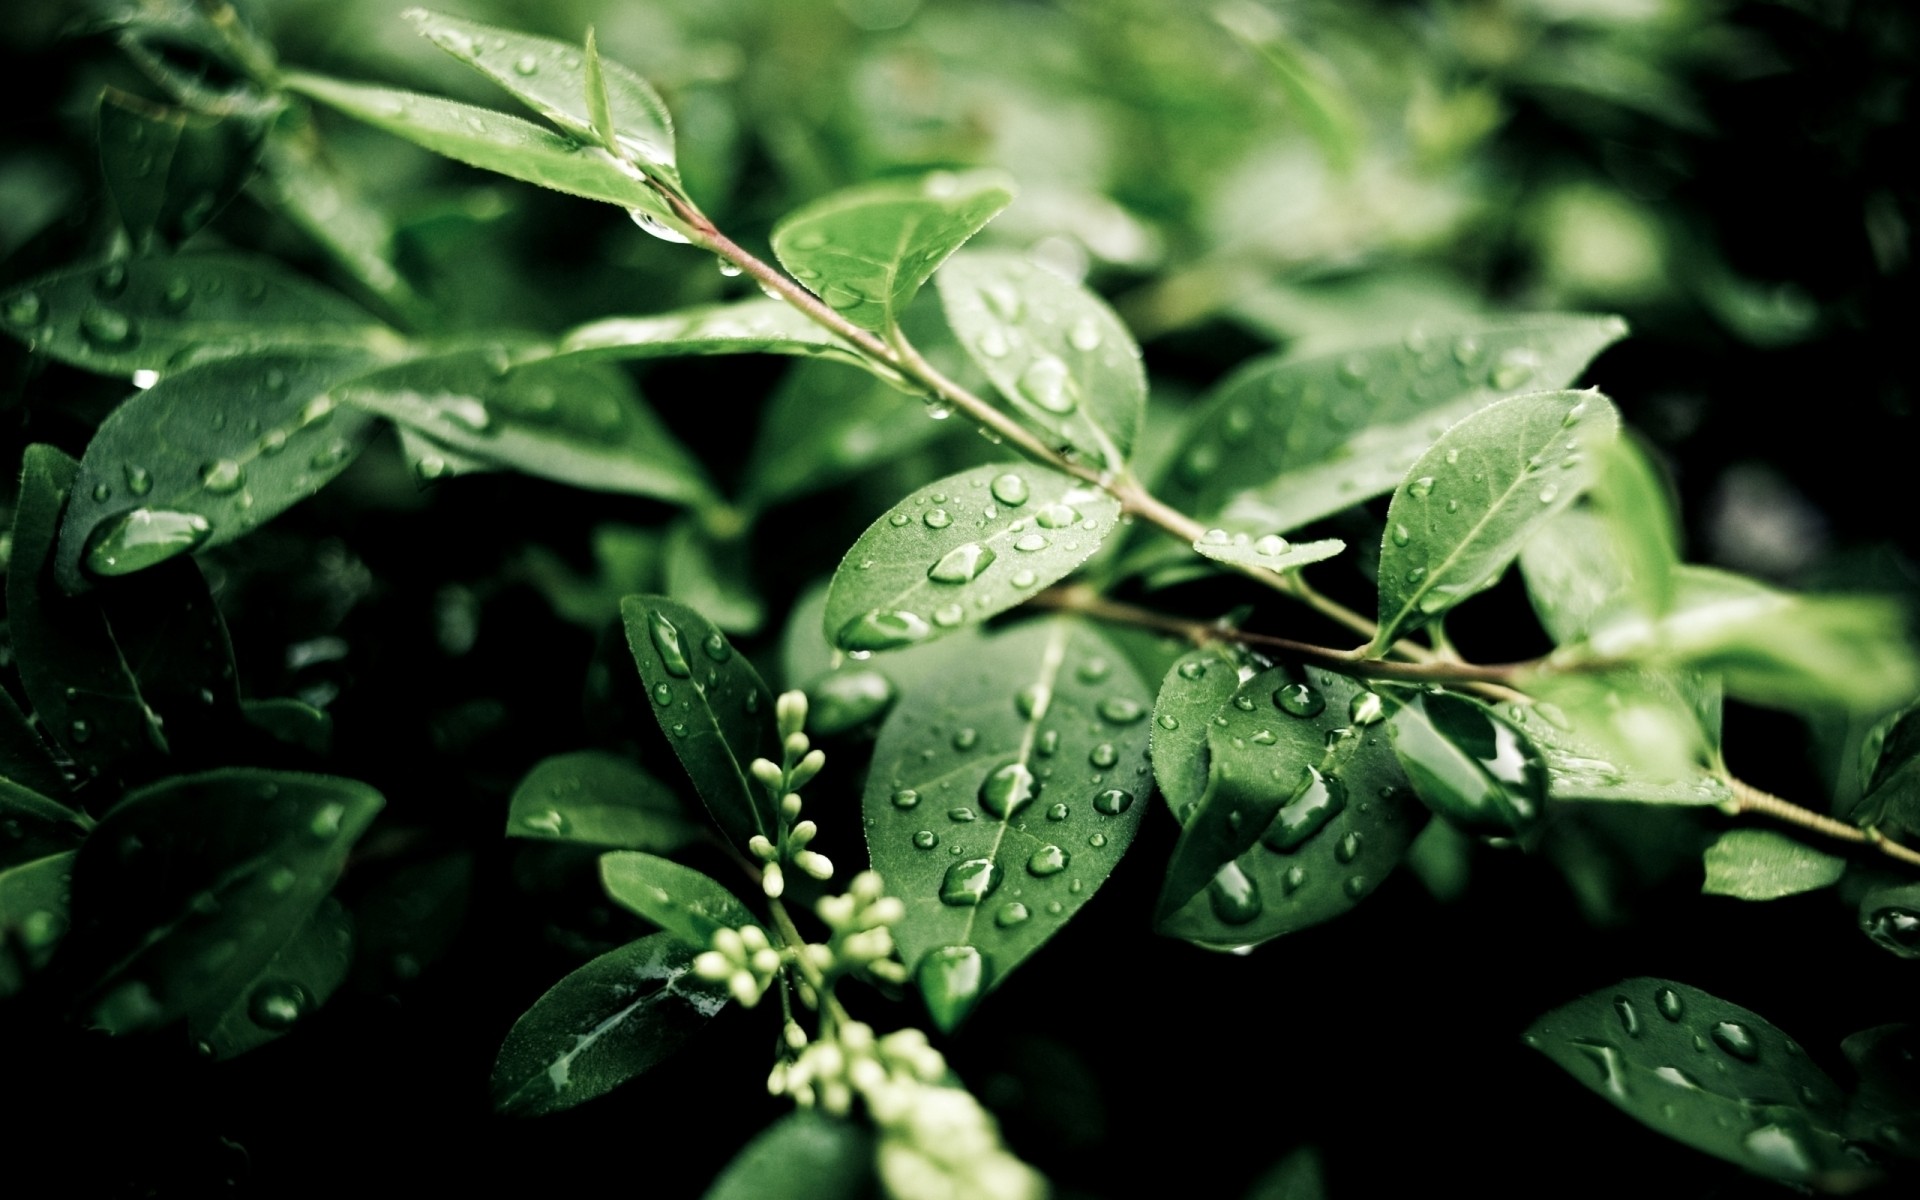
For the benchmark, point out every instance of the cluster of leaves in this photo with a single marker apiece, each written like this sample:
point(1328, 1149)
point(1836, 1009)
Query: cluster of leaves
point(1007, 651)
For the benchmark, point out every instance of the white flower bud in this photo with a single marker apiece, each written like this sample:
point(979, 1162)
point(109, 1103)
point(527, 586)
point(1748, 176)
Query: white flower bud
point(820, 956)
point(768, 773)
point(887, 910)
point(826, 1059)
point(836, 911)
point(796, 1037)
point(796, 745)
point(867, 886)
point(790, 805)
point(866, 1074)
point(790, 712)
point(772, 882)
point(807, 768)
point(803, 833)
point(754, 938)
point(766, 961)
point(730, 943)
point(777, 1079)
point(857, 1037)
point(712, 965)
point(745, 988)
point(817, 865)
point(836, 1097)
point(888, 970)
point(761, 847)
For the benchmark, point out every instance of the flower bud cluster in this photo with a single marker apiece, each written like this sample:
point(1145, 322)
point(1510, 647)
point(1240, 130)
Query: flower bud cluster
point(783, 780)
point(861, 940)
point(852, 1062)
point(743, 959)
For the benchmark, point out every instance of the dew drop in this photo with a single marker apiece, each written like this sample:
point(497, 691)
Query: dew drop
point(24, 308)
point(1055, 516)
point(926, 839)
point(526, 65)
point(1047, 383)
point(969, 882)
point(1085, 335)
point(960, 816)
point(277, 1005)
point(1402, 535)
point(962, 564)
point(1271, 545)
point(1120, 710)
point(949, 615)
point(1233, 896)
point(1010, 914)
point(906, 798)
point(1366, 708)
point(1736, 1039)
point(883, 630)
point(1299, 700)
point(1058, 812)
point(666, 643)
point(1103, 756)
point(1030, 542)
point(222, 476)
point(936, 518)
point(1024, 578)
point(1113, 802)
point(144, 537)
point(1421, 488)
point(1048, 860)
point(1316, 800)
point(1669, 1003)
point(952, 980)
point(1348, 847)
point(965, 739)
point(107, 329)
point(1009, 788)
point(1629, 1016)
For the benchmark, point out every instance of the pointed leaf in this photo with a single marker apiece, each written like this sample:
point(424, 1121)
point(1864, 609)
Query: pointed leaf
point(576, 422)
point(1707, 1073)
point(550, 77)
point(1268, 553)
point(300, 181)
point(602, 1025)
point(805, 1155)
point(1284, 442)
point(1468, 763)
point(188, 888)
point(1059, 355)
point(593, 798)
point(160, 314)
point(757, 326)
point(678, 899)
point(1759, 864)
point(1624, 541)
point(962, 549)
point(1304, 815)
point(1473, 499)
point(296, 981)
point(1002, 793)
point(1193, 691)
point(867, 250)
point(1625, 738)
point(599, 108)
point(713, 707)
point(34, 827)
point(1893, 776)
point(204, 457)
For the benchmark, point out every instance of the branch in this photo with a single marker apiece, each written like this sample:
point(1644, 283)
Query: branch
point(1750, 799)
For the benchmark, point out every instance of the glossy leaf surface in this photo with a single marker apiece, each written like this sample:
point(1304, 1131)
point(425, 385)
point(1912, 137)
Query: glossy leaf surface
point(1284, 442)
point(678, 899)
point(1006, 783)
point(1890, 916)
point(1626, 738)
point(1759, 864)
point(160, 314)
point(188, 888)
point(302, 182)
point(602, 1025)
point(1473, 499)
point(711, 704)
point(1267, 553)
point(1893, 777)
point(1468, 763)
point(1306, 812)
point(593, 798)
point(35, 899)
point(804, 1155)
point(295, 982)
point(867, 250)
point(206, 456)
point(758, 326)
point(961, 550)
point(1623, 541)
point(1057, 353)
point(1704, 1072)
point(1193, 691)
point(575, 422)
point(170, 171)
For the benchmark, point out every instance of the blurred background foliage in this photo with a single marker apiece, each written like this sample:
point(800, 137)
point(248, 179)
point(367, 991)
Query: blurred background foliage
point(1234, 177)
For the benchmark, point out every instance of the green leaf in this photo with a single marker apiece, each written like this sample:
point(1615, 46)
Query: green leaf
point(602, 1025)
point(108, 670)
point(1304, 815)
point(170, 170)
point(713, 707)
point(1704, 1072)
point(1002, 793)
point(1885, 1107)
point(552, 78)
point(1891, 917)
point(867, 250)
point(1622, 542)
point(1060, 356)
point(1194, 690)
point(491, 141)
point(188, 888)
point(295, 982)
point(712, 574)
point(205, 456)
point(161, 314)
point(962, 549)
point(576, 422)
point(1474, 498)
point(757, 326)
point(599, 107)
point(678, 899)
point(35, 900)
point(292, 723)
point(1269, 553)
point(804, 1155)
point(1468, 763)
point(1623, 737)
point(593, 798)
point(1313, 87)
point(1893, 787)
point(1759, 864)
point(1774, 648)
point(34, 827)
point(1284, 442)
point(24, 757)
point(824, 425)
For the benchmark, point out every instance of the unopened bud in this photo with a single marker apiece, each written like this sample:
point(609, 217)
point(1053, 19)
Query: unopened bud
point(820, 956)
point(761, 847)
point(728, 942)
point(772, 882)
point(767, 772)
point(807, 768)
point(754, 938)
point(712, 965)
point(790, 805)
point(766, 961)
point(817, 865)
point(835, 910)
point(887, 910)
point(790, 712)
point(796, 745)
point(795, 1036)
point(745, 988)
point(803, 833)
point(868, 885)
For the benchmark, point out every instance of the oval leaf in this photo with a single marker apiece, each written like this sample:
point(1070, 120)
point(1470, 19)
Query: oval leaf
point(867, 250)
point(295, 982)
point(961, 550)
point(1305, 813)
point(159, 314)
point(803, 1156)
point(678, 899)
point(593, 798)
point(1468, 763)
point(1284, 442)
point(757, 326)
point(188, 888)
point(576, 422)
point(602, 1025)
point(168, 170)
point(1759, 864)
point(1194, 690)
point(1055, 350)
point(205, 456)
point(713, 707)
point(34, 903)
point(1626, 738)
point(1002, 793)
point(1704, 1072)
point(1473, 499)
point(1268, 553)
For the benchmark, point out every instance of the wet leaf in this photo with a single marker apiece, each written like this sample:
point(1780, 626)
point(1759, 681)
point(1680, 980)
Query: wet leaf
point(1623, 541)
point(292, 723)
point(1468, 763)
point(1893, 785)
point(1006, 783)
point(188, 888)
point(804, 1155)
point(1305, 813)
point(961, 550)
point(1268, 553)
point(593, 798)
point(713, 707)
point(1885, 1108)
point(295, 982)
point(1890, 916)
point(867, 250)
point(575, 422)
point(1628, 737)
point(1192, 692)
point(1284, 442)
point(1473, 499)
point(1759, 864)
point(1707, 1073)
point(204, 457)
point(601, 1026)
point(35, 901)
point(168, 170)
point(1059, 355)
point(162, 314)
point(678, 899)
point(757, 326)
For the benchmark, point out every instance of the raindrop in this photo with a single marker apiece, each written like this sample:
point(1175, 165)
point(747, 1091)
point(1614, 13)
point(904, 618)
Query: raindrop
point(144, 537)
point(898, 519)
point(25, 308)
point(952, 980)
point(277, 1005)
point(1348, 847)
point(1629, 1016)
point(1299, 700)
point(1613, 1073)
point(222, 476)
point(993, 343)
point(1120, 710)
point(1736, 1039)
point(1011, 914)
point(962, 564)
point(1402, 535)
point(1780, 1148)
point(1048, 860)
point(1293, 880)
point(960, 816)
point(1355, 886)
point(1894, 928)
point(326, 822)
point(1113, 802)
point(964, 739)
point(1009, 489)
point(80, 729)
point(1366, 708)
point(1233, 896)
point(883, 630)
point(1271, 545)
point(1085, 335)
point(949, 615)
point(657, 227)
point(1024, 578)
point(1169, 722)
point(1008, 789)
point(1548, 494)
point(906, 798)
point(111, 281)
point(1669, 1003)
point(526, 65)
point(1033, 701)
point(1047, 383)
point(1421, 488)
point(106, 329)
point(938, 518)
point(666, 643)
point(1192, 669)
point(102, 493)
point(1048, 744)
point(969, 882)
point(926, 839)
point(662, 694)
point(1103, 756)
point(1318, 799)
point(1058, 811)
point(1030, 542)
point(1055, 516)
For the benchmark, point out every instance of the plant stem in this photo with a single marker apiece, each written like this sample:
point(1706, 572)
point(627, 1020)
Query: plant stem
point(790, 934)
point(1750, 799)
